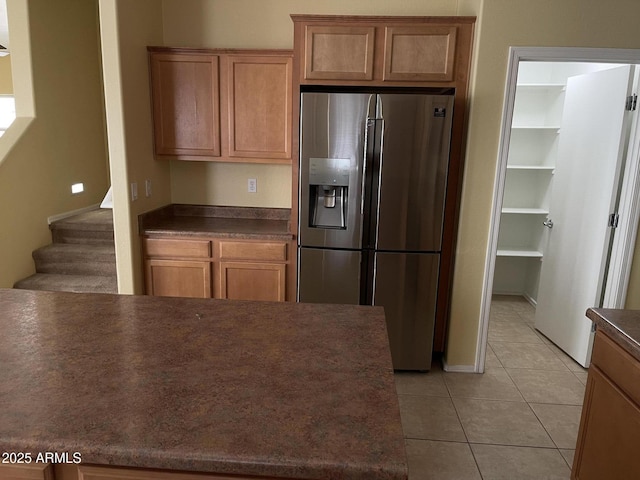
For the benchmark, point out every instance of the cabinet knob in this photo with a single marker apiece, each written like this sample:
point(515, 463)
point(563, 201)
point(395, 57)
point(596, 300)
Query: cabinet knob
point(548, 223)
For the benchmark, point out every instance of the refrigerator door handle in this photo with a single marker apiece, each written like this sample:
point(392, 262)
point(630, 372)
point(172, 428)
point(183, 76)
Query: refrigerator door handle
point(377, 165)
point(369, 185)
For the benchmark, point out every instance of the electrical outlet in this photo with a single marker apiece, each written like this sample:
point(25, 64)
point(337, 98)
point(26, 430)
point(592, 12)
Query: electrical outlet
point(147, 188)
point(252, 185)
point(134, 191)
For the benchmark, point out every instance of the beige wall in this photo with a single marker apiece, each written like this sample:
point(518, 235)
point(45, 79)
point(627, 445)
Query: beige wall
point(41, 157)
point(6, 81)
point(127, 28)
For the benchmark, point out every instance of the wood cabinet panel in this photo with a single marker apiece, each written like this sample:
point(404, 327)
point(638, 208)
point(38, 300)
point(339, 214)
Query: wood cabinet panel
point(186, 108)
point(178, 278)
point(259, 106)
point(178, 248)
point(33, 471)
point(339, 52)
point(252, 281)
point(617, 364)
point(115, 473)
point(268, 251)
point(609, 432)
point(420, 53)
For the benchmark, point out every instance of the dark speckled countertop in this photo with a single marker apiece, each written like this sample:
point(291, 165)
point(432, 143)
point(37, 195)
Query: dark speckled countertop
point(250, 388)
point(230, 222)
point(623, 326)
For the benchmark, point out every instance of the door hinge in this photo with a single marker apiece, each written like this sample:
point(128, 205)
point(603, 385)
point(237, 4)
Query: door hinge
point(613, 220)
point(632, 103)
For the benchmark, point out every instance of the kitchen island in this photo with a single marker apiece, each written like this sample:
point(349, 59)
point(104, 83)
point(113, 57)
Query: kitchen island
point(255, 389)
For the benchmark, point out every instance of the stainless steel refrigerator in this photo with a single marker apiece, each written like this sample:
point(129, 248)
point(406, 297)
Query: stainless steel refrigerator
point(373, 174)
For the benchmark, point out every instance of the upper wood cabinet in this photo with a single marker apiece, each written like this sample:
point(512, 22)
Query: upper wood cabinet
point(383, 50)
point(222, 105)
point(186, 104)
point(335, 52)
point(259, 106)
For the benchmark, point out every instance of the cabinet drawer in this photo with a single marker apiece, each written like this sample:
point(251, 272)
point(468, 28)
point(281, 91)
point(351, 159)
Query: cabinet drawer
point(268, 251)
point(622, 368)
point(177, 248)
point(26, 472)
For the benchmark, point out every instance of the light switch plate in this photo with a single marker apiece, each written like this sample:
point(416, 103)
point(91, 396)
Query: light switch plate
point(252, 185)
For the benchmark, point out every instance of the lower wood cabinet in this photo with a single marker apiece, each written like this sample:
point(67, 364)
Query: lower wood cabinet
point(216, 268)
point(252, 281)
point(95, 472)
point(609, 432)
point(33, 471)
point(111, 473)
point(178, 278)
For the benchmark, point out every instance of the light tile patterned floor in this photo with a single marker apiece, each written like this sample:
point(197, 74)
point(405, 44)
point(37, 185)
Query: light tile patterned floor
point(519, 420)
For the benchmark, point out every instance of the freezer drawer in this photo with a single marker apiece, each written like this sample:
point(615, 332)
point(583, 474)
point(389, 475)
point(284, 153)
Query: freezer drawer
point(329, 276)
point(406, 286)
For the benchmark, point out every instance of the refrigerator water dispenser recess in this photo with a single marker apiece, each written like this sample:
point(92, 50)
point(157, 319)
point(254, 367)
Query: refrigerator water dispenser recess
point(328, 192)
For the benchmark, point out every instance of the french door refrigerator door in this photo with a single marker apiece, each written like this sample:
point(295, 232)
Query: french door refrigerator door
point(332, 139)
point(406, 285)
point(412, 174)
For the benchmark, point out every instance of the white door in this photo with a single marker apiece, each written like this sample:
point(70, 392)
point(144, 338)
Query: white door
point(584, 188)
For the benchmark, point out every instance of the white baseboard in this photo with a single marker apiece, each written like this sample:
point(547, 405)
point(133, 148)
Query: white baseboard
point(61, 216)
point(458, 368)
point(530, 299)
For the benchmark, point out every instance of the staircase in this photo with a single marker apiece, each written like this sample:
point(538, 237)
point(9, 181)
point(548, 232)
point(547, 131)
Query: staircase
point(80, 259)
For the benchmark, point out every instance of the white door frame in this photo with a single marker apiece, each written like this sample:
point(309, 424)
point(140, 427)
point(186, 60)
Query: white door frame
point(625, 238)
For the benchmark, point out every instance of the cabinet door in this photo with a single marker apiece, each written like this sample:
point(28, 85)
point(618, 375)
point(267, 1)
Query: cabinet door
point(178, 278)
point(26, 472)
point(419, 53)
point(252, 281)
point(186, 108)
point(259, 106)
point(609, 432)
point(339, 52)
point(116, 473)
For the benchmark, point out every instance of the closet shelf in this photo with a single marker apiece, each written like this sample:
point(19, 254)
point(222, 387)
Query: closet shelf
point(524, 253)
point(541, 86)
point(525, 211)
point(537, 128)
point(531, 167)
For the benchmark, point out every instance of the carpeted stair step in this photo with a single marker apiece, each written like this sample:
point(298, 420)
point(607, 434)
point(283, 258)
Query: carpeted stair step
point(93, 227)
point(69, 283)
point(76, 259)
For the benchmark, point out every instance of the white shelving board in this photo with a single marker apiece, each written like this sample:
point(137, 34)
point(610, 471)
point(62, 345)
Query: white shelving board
point(541, 86)
point(503, 252)
point(525, 211)
point(550, 128)
point(531, 167)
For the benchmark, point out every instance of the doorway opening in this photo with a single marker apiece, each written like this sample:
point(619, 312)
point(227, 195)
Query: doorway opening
point(544, 199)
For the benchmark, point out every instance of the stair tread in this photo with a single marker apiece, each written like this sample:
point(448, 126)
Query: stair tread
point(77, 248)
point(100, 219)
point(69, 283)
